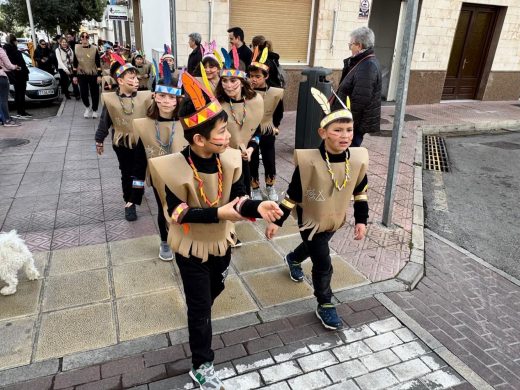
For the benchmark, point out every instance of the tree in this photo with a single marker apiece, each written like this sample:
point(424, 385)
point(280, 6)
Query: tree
point(48, 14)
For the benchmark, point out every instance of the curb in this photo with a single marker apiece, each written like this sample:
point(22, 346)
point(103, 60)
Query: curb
point(413, 271)
point(472, 128)
point(62, 107)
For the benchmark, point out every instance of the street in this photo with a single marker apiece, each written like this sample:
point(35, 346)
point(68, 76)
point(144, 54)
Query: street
point(40, 110)
point(476, 204)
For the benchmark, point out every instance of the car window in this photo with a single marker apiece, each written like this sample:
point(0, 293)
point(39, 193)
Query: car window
point(27, 59)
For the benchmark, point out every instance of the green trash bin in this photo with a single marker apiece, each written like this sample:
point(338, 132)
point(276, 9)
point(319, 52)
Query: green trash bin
point(309, 112)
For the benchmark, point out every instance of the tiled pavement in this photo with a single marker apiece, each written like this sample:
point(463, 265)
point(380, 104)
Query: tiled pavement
point(374, 352)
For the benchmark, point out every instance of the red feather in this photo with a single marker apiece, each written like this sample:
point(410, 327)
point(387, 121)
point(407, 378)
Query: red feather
point(236, 60)
point(118, 58)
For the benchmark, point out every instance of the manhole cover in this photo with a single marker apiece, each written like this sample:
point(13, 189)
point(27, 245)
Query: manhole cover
point(12, 142)
point(435, 154)
point(410, 118)
point(502, 145)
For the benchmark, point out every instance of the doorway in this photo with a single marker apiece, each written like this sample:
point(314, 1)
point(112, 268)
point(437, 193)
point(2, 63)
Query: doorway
point(469, 51)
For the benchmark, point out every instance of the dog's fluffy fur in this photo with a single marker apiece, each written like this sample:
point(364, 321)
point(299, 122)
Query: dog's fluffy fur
point(14, 255)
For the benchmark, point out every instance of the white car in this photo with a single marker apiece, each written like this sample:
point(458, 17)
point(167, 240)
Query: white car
point(41, 86)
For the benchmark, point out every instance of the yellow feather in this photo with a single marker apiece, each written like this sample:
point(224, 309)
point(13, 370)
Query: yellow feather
point(205, 77)
point(348, 103)
point(322, 100)
point(263, 58)
point(219, 58)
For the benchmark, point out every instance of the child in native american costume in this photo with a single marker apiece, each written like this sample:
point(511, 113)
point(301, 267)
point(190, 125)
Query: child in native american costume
point(321, 201)
point(145, 70)
point(210, 66)
point(204, 194)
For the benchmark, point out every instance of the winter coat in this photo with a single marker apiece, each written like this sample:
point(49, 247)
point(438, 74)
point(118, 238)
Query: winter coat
point(194, 60)
point(361, 82)
point(15, 56)
point(273, 61)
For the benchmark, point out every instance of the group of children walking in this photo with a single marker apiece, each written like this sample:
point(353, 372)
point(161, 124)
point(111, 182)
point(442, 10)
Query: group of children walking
point(196, 142)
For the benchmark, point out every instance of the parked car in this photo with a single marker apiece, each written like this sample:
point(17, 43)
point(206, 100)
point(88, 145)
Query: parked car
point(41, 87)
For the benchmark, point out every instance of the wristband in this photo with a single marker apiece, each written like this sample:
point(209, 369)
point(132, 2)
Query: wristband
point(138, 184)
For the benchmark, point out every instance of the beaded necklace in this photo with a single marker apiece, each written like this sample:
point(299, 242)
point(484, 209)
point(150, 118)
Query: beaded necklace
point(240, 123)
point(201, 182)
point(166, 148)
point(347, 171)
point(123, 106)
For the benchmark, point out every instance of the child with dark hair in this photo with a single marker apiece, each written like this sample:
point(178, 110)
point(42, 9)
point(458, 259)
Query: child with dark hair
point(120, 109)
point(144, 69)
point(321, 189)
point(204, 195)
point(210, 66)
point(273, 114)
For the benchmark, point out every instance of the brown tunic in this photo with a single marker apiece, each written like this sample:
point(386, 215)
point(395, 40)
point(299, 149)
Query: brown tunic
point(240, 135)
point(324, 207)
point(144, 70)
point(86, 59)
point(197, 239)
point(271, 97)
point(123, 123)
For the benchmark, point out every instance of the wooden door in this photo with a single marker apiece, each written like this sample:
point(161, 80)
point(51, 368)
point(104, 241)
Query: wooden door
point(469, 51)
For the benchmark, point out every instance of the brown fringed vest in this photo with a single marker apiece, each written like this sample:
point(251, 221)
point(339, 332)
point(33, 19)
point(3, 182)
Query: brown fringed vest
point(240, 135)
point(324, 207)
point(123, 123)
point(145, 130)
point(197, 239)
point(143, 70)
point(86, 59)
point(271, 97)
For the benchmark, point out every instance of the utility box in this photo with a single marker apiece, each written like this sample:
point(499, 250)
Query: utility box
point(310, 114)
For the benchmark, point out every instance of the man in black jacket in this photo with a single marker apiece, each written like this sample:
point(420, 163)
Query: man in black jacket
point(236, 38)
point(18, 78)
point(361, 82)
point(195, 56)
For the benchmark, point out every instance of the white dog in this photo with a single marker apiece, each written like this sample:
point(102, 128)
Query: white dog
point(14, 255)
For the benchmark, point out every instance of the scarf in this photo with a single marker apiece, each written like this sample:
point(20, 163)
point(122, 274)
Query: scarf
point(68, 58)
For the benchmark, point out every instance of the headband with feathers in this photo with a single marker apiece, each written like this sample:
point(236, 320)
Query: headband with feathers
point(166, 85)
point(209, 50)
point(232, 64)
point(263, 58)
point(330, 116)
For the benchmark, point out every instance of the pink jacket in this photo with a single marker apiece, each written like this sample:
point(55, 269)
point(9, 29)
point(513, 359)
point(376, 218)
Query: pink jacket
point(5, 64)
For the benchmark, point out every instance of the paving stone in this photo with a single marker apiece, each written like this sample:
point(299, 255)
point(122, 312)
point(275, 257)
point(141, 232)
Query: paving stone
point(304, 319)
point(325, 341)
point(273, 327)
point(348, 385)
point(360, 318)
point(16, 337)
point(263, 344)
point(256, 256)
point(317, 361)
point(354, 334)
point(415, 384)
point(235, 300)
point(78, 259)
point(178, 382)
point(277, 386)
point(253, 362)
point(386, 325)
point(121, 366)
point(381, 312)
point(410, 350)
point(280, 372)
point(104, 384)
point(229, 353)
point(442, 379)
point(376, 380)
point(225, 370)
point(288, 352)
point(433, 361)
point(40, 384)
point(346, 370)
point(410, 369)
point(405, 335)
point(310, 381)
point(383, 341)
point(351, 351)
point(26, 373)
point(301, 333)
point(378, 360)
point(145, 375)
point(77, 377)
point(247, 381)
point(179, 367)
point(239, 336)
point(364, 304)
point(165, 355)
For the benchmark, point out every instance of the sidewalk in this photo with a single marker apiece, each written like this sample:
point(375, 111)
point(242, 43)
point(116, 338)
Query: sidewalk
point(105, 295)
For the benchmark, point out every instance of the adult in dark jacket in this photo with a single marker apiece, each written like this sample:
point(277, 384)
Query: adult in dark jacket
point(236, 38)
point(18, 78)
point(273, 60)
point(195, 56)
point(361, 82)
point(42, 56)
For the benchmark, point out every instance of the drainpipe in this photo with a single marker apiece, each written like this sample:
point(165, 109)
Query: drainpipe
point(210, 3)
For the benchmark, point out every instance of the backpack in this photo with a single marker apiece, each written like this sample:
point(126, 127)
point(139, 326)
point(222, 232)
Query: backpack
point(282, 76)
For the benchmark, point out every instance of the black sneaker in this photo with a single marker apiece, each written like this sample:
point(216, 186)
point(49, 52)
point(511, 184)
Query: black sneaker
point(130, 213)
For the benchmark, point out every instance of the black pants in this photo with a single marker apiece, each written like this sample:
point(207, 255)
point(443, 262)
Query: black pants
point(357, 139)
point(319, 252)
point(266, 147)
point(161, 220)
point(20, 86)
point(64, 82)
point(246, 175)
point(126, 158)
point(203, 282)
point(88, 84)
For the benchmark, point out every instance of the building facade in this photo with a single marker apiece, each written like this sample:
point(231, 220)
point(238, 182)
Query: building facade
point(463, 50)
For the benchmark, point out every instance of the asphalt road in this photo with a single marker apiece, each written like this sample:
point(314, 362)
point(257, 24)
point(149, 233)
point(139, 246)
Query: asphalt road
point(476, 205)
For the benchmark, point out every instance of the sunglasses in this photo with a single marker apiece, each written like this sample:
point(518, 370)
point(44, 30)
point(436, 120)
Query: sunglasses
point(84, 37)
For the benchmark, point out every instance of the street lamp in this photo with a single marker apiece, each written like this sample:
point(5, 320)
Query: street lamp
point(31, 22)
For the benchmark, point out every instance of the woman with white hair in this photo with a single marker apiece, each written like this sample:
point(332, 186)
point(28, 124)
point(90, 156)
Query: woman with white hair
point(361, 82)
point(195, 56)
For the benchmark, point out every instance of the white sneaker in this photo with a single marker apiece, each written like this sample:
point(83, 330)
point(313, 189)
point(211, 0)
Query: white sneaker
point(87, 113)
point(271, 193)
point(256, 194)
point(94, 114)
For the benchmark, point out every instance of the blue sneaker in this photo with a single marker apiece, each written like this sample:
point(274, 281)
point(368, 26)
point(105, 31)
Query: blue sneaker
point(328, 316)
point(295, 269)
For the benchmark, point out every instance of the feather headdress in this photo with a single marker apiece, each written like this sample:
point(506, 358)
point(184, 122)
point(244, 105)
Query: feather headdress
point(204, 110)
point(209, 50)
point(331, 116)
point(260, 63)
point(123, 65)
point(166, 85)
point(232, 64)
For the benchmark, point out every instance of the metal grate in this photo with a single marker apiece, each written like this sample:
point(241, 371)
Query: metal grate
point(435, 154)
point(12, 142)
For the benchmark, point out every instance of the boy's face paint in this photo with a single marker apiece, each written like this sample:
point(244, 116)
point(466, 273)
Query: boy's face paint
point(257, 79)
point(337, 137)
point(218, 138)
point(128, 83)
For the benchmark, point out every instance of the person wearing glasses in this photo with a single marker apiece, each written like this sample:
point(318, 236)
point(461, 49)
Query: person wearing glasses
point(361, 82)
point(42, 56)
point(87, 73)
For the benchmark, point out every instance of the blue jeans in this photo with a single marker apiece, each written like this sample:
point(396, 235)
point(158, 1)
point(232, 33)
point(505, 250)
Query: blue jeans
point(4, 95)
